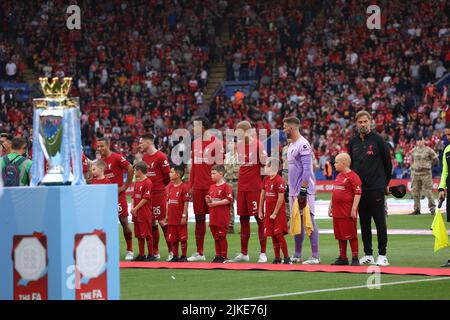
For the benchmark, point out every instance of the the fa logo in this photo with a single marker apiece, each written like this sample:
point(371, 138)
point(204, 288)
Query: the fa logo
point(374, 21)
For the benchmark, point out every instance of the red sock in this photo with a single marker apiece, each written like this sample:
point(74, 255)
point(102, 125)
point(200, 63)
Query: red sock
point(217, 245)
point(155, 232)
point(149, 240)
point(184, 248)
point(276, 247)
point(200, 231)
point(224, 247)
point(245, 234)
point(283, 245)
point(343, 249)
point(165, 230)
point(141, 242)
point(174, 246)
point(129, 240)
point(354, 247)
point(261, 235)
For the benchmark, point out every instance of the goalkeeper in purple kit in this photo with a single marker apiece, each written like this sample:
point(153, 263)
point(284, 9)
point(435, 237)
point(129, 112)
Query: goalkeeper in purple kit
point(301, 185)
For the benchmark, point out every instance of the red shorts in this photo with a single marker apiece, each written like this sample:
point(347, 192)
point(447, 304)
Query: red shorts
point(273, 227)
point(344, 228)
point(218, 232)
point(247, 203)
point(142, 229)
point(159, 206)
point(123, 206)
point(177, 233)
point(198, 199)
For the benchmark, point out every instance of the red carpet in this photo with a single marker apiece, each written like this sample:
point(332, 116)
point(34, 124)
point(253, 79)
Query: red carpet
point(284, 267)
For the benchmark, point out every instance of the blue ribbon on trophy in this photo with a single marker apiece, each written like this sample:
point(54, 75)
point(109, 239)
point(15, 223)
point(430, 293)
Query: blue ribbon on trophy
point(57, 136)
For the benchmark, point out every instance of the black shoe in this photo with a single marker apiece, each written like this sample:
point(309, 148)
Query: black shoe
point(415, 213)
point(183, 259)
point(446, 265)
point(216, 259)
point(139, 258)
point(175, 259)
point(340, 262)
point(151, 258)
point(355, 261)
point(277, 261)
point(287, 260)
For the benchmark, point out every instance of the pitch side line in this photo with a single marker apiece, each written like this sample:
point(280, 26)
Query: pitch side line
point(341, 289)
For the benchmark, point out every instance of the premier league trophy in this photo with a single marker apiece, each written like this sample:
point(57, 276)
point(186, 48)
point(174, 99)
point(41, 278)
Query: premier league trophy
point(57, 136)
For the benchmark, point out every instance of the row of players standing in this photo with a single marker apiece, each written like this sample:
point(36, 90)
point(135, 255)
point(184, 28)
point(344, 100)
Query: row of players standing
point(301, 182)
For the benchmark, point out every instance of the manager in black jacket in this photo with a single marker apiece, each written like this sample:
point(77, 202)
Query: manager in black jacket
point(371, 160)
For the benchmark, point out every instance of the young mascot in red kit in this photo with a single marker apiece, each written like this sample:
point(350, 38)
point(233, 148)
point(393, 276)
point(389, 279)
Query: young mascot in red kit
point(142, 212)
point(178, 197)
point(98, 173)
point(343, 208)
point(274, 213)
point(219, 200)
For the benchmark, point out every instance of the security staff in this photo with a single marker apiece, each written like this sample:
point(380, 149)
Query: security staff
point(371, 160)
point(445, 177)
point(422, 159)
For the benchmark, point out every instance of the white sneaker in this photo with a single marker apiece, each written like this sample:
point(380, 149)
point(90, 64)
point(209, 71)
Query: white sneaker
point(241, 257)
point(196, 257)
point(382, 261)
point(129, 256)
point(312, 260)
point(158, 257)
point(169, 256)
point(296, 260)
point(262, 258)
point(366, 260)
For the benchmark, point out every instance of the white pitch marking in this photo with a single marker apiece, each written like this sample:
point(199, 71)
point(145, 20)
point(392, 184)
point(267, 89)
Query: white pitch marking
point(341, 289)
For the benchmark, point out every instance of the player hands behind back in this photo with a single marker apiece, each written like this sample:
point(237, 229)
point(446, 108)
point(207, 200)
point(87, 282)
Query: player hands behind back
point(142, 212)
point(98, 173)
point(219, 200)
point(178, 197)
point(343, 208)
point(274, 213)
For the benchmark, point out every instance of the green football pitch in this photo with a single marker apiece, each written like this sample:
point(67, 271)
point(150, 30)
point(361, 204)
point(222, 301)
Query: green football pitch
point(403, 250)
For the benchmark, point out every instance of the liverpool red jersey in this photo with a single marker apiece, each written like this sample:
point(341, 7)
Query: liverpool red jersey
point(116, 164)
point(100, 181)
point(272, 188)
point(158, 170)
point(220, 216)
point(250, 178)
point(346, 186)
point(202, 162)
point(143, 190)
point(177, 196)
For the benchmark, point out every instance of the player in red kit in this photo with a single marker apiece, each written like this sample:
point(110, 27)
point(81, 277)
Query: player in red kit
point(204, 156)
point(115, 167)
point(177, 213)
point(219, 199)
point(158, 172)
point(274, 211)
point(249, 189)
point(142, 212)
point(98, 173)
point(343, 208)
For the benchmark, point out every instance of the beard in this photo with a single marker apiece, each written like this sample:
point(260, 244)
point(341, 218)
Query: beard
point(363, 130)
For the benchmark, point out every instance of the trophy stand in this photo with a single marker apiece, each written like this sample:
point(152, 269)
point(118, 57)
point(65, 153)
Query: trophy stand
point(59, 237)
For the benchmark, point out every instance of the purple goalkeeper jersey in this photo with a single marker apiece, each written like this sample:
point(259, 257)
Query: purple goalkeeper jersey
point(300, 167)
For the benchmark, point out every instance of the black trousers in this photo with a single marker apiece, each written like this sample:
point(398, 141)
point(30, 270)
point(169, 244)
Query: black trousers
point(372, 206)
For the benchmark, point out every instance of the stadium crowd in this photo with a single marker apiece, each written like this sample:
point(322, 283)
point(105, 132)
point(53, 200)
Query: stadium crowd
point(143, 66)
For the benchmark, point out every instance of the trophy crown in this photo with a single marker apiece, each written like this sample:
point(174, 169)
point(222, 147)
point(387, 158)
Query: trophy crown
point(55, 89)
